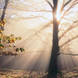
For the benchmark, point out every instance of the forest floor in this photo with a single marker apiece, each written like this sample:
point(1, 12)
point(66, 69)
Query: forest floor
point(35, 74)
point(22, 74)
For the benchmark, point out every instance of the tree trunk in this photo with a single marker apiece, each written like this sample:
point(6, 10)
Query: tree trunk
point(52, 72)
point(4, 9)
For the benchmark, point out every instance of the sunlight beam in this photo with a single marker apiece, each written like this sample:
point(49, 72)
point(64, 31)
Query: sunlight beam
point(59, 9)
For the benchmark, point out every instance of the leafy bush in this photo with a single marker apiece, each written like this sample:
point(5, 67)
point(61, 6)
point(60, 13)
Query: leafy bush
point(8, 42)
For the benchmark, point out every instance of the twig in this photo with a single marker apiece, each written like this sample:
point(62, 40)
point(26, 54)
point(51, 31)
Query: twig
point(68, 54)
point(49, 4)
point(67, 3)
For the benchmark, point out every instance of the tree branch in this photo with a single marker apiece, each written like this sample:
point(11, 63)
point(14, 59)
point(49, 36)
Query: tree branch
point(67, 54)
point(69, 41)
point(67, 3)
point(69, 8)
point(38, 31)
point(49, 4)
point(70, 28)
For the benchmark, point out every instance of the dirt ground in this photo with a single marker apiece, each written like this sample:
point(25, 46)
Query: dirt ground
point(35, 74)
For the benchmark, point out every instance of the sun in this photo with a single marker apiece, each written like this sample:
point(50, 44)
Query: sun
point(58, 16)
point(59, 9)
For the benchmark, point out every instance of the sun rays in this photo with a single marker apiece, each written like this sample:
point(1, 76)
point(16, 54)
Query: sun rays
point(36, 31)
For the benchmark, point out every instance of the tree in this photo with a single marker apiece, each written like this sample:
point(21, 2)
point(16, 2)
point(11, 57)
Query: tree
point(53, 69)
point(7, 42)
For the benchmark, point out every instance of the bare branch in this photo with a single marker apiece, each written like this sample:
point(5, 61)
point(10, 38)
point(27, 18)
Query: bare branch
point(49, 4)
point(69, 41)
point(70, 28)
point(38, 31)
point(68, 54)
point(69, 8)
point(67, 3)
point(32, 17)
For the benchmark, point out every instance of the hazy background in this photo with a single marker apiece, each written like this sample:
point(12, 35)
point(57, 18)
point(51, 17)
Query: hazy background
point(32, 20)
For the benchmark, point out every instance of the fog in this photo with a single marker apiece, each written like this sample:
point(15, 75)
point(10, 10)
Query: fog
point(32, 20)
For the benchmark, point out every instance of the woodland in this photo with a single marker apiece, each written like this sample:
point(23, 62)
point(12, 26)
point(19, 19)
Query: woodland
point(38, 38)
